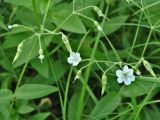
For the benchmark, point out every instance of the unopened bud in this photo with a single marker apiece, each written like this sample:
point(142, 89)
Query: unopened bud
point(97, 25)
point(19, 50)
point(148, 68)
point(41, 51)
point(66, 42)
point(98, 11)
point(11, 26)
point(79, 72)
point(41, 55)
point(104, 83)
point(137, 71)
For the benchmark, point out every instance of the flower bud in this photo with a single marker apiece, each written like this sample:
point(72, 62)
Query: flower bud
point(98, 11)
point(65, 39)
point(19, 50)
point(104, 83)
point(40, 51)
point(148, 68)
point(41, 55)
point(79, 72)
point(66, 42)
point(97, 25)
point(11, 26)
point(137, 71)
point(78, 75)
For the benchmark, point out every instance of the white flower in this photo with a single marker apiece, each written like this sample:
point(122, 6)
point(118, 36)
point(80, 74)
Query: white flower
point(99, 28)
point(9, 26)
point(74, 58)
point(125, 75)
point(41, 56)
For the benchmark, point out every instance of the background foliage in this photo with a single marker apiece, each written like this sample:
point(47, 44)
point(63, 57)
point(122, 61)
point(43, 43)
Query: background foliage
point(31, 90)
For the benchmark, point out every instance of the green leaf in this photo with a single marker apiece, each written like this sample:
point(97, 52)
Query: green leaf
point(4, 113)
point(24, 109)
point(40, 116)
point(26, 3)
point(73, 106)
point(140, 86)
point(5, 96)
point(13, 40)
point(27, 49)
point(105, 106)
point(42, 68)
point(84, 3)
point(34, 91)
point(2, 25)
point(28, 45)
point(114, 24)
point(73, 24)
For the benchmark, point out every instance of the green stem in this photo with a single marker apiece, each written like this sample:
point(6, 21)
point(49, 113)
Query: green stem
point(144, 102)
point(20, 77)
point(87, 74)
point(66, 94)
point(45, 16)
point(135, 38)
point(146, 44)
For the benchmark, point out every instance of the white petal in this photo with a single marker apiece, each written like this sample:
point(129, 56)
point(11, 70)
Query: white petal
point(130, 72)
point(132, 78)
point(125, 68)
point(77, 54)
point(70, 60)
point(119, 73)
point(127, 81)
point(75, 63)
point(120, 79)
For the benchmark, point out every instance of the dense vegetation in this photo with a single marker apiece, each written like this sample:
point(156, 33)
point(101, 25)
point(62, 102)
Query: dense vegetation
point(79, 59)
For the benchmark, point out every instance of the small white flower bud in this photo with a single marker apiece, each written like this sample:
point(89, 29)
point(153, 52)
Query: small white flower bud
point(135, 68)
point(41, 56)
point(9, 26)
point(138, 72)
point(97, 25)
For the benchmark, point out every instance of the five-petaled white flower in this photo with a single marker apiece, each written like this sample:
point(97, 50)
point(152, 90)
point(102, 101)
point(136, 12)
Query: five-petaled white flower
point(126, 75)
point(74, 58)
